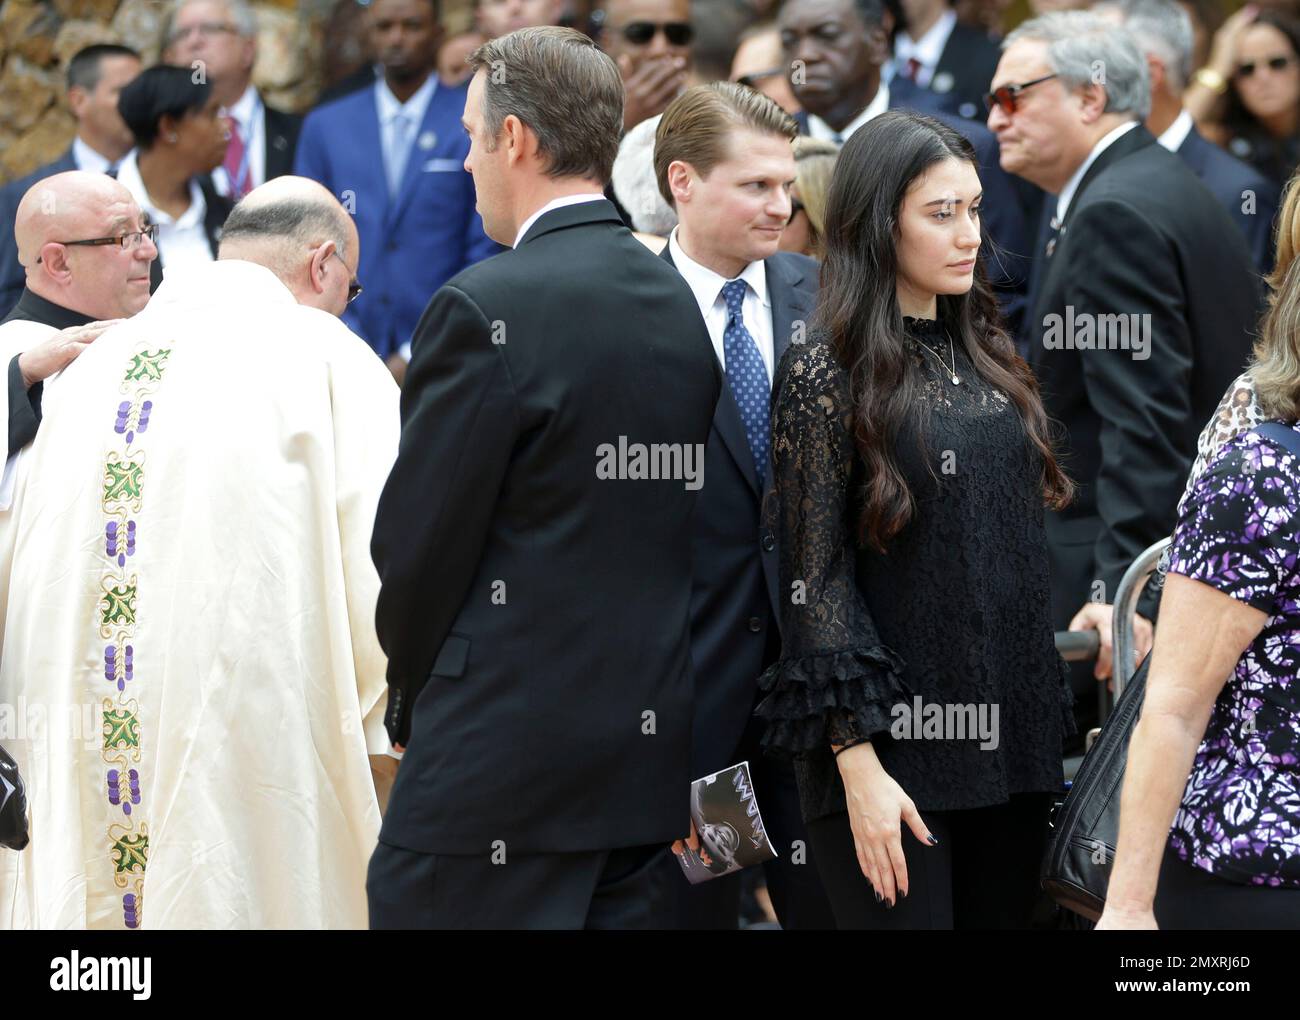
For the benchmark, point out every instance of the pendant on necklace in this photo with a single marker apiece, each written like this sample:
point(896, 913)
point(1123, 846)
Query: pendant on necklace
point(956, 381)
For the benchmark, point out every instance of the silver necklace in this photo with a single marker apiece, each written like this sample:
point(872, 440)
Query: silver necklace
point(951, 350)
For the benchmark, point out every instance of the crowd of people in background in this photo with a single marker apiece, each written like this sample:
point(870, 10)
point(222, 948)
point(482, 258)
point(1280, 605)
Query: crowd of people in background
point(984, 326)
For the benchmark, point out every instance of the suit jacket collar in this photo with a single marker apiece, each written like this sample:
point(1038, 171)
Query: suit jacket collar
point(415, 159)
point(34, 308)
point(577, 215)
point(1127, 144)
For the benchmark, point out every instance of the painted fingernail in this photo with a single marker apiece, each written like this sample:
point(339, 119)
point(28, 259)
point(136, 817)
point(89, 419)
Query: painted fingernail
point(879, 898)
point(933, 841)
point(889, 904)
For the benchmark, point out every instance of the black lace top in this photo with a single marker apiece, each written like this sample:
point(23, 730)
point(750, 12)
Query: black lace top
point(955, 615)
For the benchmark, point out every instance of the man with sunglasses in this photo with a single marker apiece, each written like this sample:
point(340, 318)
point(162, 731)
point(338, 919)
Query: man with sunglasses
point(1146, 303)
point(208, 477)
point(650, 40)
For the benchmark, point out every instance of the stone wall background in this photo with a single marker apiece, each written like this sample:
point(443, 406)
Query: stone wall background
point(302, 46)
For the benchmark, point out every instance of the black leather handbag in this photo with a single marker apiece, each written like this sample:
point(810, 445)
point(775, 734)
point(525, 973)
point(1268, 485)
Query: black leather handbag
point(13, 804)
point(1085, 829)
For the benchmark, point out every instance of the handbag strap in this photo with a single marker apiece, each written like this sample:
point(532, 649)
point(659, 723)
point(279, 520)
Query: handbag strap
point(1282, 434)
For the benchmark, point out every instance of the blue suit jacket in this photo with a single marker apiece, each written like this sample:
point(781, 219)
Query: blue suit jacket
point(12, 276)
point(411, 243)
point(1230, 179)
point(1006, 243)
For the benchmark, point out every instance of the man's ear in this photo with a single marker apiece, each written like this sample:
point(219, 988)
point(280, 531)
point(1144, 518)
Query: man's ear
point(680, 181)
point(77, 99)
point(1157, 71)
point(54, 257)
point(518, 139)
point(317, 269)
point(167, 128)
point(1093, 102)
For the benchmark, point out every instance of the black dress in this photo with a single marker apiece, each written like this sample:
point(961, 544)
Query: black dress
point(956, 613)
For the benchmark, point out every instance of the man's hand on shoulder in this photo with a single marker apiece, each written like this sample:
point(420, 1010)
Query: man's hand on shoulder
point(59, 351)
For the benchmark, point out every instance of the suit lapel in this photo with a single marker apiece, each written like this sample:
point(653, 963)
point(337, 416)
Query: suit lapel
point(792, 307)
point(727, 421)
point(415, 161)
point(1127, 144)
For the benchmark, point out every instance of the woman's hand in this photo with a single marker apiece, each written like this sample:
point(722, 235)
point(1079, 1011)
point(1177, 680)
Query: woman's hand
point(1117, 918)
point(877, 808)
point(1223, 49)
point(1098, 616)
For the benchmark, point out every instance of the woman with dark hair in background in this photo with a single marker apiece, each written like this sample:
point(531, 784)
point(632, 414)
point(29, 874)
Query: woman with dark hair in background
point(180, 138)
point(1247, 99)
point(919, 687)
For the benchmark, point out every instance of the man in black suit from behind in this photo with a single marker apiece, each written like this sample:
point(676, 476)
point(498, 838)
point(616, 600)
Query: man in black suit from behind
point(1146, 305)
point(724, 161)
point(1163, 31)
point(534, 539)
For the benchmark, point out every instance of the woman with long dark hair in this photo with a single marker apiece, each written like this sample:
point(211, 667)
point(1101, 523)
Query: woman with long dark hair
point(919, 688)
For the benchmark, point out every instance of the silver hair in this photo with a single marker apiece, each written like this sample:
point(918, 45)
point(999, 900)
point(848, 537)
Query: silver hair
point(634, 181)
point(241, 16)
point(1084, 49)
point(1163, 29)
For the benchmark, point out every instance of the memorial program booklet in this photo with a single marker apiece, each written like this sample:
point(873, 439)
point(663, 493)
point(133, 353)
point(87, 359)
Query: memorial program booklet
point(726, 816)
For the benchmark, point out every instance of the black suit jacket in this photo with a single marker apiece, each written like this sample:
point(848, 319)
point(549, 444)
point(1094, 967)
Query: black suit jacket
point(216, 208)
point(734, 594)
point(1249, 197)
point(13, 278)
point(965, 72)
point(536, 615)
point(281, 141)
point(1170, 256)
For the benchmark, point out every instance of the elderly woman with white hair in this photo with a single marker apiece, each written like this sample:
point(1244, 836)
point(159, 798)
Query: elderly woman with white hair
point(637, 190)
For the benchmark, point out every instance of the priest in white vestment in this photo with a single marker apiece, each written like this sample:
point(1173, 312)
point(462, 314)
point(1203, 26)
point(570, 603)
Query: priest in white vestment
point(194, 599)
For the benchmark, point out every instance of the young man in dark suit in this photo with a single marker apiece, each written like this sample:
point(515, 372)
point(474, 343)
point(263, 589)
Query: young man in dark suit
point(724, 161)
point(1146, 304)
point(937, 53)
point(534, 539)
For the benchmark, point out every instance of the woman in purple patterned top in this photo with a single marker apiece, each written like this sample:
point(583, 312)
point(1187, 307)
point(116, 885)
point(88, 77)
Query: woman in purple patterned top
point(1210, 811)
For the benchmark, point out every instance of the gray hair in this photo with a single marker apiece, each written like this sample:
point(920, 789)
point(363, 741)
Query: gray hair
point(241, 16)
point(286, 221)
point(1083, 49)
point(1163, 30)
point(635, 184)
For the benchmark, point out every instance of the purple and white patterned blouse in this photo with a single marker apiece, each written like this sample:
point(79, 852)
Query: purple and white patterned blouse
point(1239, 532)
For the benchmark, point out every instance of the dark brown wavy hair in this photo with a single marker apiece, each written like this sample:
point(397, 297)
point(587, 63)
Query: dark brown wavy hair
point(858, 309)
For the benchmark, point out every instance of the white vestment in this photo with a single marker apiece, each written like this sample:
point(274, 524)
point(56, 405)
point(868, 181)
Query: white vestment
point(191, 618)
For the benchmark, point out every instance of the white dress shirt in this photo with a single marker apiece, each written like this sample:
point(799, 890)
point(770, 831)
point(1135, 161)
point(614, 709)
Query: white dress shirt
point(706, 285)
point(818, 128)
point(927, 50)
point(182, 241)
point(399, 124)
point(249, 116)
point(88, 159)
point(555, 203)
point(1072, 185)
point(1175, 134)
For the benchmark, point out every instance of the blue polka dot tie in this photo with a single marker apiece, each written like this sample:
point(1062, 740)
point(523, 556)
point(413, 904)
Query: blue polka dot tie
point(746, 375)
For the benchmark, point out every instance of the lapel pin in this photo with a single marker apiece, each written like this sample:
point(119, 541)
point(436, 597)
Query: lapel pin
point(428, 140)
point(943, 82)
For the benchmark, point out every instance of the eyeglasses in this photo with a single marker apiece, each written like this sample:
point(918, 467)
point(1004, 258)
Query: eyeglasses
point(678, 33)
point(354, 285)
point(1273, 63)
point(207, 29)
point(128, 241)
point(1005, 97)
point(751, 81)
point(796, 207)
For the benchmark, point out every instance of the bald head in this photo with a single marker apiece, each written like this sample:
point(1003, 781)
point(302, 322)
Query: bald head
point(299, 231)
point(105, 281)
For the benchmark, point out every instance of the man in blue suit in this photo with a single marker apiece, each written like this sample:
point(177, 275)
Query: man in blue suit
point(835, 49)
point(96, 74)
point(394, 155)
point(1163, 31)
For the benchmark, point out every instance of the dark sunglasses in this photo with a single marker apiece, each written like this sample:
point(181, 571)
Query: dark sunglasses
point(796, 207)
point(678, 33)
point(1273, 63)
point(1005, 97)
point(130, 240)
point(354, 285)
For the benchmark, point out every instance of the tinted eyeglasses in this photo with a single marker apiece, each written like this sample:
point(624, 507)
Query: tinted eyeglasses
point(129, 240)
point(354, 285)
point(678, 33)
point(1273, 64)
point(1005, 97)
point(796, 207)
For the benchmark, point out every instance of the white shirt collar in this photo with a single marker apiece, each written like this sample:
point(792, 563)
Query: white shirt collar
point(245, 109)
point(414, 108)
point(87, 158)
point(1175, 134)
point(818, 128)
point(706, 285)
point(1072, 185)
point(929, 48)
point(128, 175)
point(555, 203)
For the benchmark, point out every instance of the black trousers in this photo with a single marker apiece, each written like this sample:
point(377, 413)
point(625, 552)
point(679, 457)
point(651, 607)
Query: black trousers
point(602, 889)
point(792, 879)
point(983, 874)
point(1190, 898)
